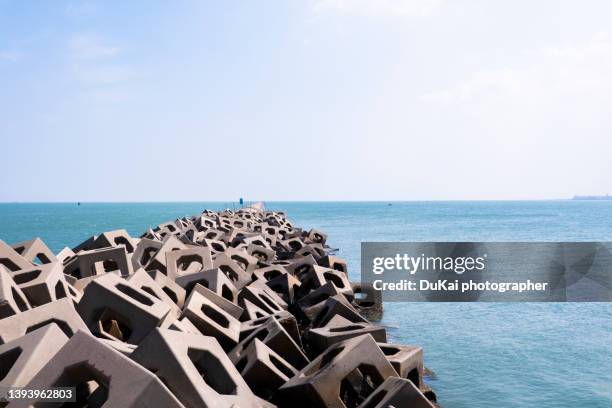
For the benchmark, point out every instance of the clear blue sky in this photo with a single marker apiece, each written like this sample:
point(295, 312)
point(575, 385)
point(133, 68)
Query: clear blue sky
point(312, 99)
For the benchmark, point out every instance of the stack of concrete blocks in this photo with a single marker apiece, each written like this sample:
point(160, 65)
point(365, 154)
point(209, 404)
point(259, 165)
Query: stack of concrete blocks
point(218, 310)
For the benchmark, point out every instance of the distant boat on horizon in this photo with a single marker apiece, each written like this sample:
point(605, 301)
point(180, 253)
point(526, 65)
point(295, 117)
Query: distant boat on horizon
point(593, 197)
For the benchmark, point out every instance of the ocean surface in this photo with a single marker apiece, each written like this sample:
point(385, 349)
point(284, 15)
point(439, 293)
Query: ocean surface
point(483, 355)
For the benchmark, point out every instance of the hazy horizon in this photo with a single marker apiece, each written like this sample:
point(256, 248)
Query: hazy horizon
point(305, 100)
point(247, 202)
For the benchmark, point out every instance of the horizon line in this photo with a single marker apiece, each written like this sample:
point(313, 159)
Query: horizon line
point(287, 201)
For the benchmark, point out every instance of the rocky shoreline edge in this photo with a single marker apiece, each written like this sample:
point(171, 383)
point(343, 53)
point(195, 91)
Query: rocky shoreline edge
point(231, 308)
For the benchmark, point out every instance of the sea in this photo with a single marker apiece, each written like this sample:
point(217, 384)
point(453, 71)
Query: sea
point(545, 355)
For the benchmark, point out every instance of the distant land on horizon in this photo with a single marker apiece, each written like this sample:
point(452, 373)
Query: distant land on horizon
point(592, 197)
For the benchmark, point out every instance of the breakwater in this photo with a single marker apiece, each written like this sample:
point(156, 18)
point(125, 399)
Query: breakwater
point(218, 309)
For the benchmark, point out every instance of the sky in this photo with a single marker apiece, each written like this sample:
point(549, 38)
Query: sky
point(304, 100)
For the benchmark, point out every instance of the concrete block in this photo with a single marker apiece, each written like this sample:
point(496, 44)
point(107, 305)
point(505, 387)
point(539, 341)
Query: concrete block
point(338, 321)
point(64, 255)
point(234, 236)
point(270, 229)
point(292, 244)
point(216, 246)
point(225, 304)
point(247, 262)
point(263, 369)
point(81, 284)
point(22, 358)
point(316, 236)
point(195, 368)
point(321, 338)
point(339, 279)
point(115, 238)
point(262, 285)
point(187, 261)
point(114, 308)
point(334, 262)
point(11, 260)
point(319, 276)
point(272, 240)
point(189, 236)
point(172, 227)
point(316, 250)
point(252, 311)
point(86, 245)
point(261, 296)
point(150, 234)
point(287, 286)
point(167, 232)
point(342, 376)
point(274, 335)
point(257, 240)
point(238, 223)
point(310, 305)
point(284, 318)
point(98, 262)
point(43, 284)
point(337, 305)
point(12, 300)
point(73, 293)
point(232, 270)
point(144, 252)
point(269, 272)
point(366, 296)
point(184, 325)
point(301, 266)
point(263, 254)
point(213, 234)
point(158, 262)
point(214, 280)
point(35, 251)
point(288, 232)
point(396, 392)
point(102, 377)
point(406, 360)
point(60, 312)
point(204, 223)
point(211, 320)
point(143, 281)
point(170, 288)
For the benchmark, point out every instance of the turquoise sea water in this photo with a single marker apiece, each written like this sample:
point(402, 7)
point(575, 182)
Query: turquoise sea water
point(483, 355)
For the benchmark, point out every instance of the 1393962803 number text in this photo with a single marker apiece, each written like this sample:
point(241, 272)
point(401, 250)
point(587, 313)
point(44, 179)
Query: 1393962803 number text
point(56, 394)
